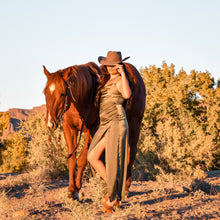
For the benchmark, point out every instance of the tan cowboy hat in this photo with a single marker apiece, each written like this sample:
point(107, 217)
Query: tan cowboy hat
point(113, 57)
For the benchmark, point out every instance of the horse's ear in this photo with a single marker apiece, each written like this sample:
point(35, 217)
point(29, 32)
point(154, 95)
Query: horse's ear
point(94, 69)
point(46, 72)
point(67, 74)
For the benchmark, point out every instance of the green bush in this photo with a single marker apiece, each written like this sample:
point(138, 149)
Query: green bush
point(4, 120)
point(14, 155)
point(13, 150)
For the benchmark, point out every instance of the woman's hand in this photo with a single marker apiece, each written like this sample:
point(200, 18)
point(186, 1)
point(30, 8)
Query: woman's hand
point(124, 87)
point(120, 69)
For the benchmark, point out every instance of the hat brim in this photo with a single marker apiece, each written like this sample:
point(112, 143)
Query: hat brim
point(103, 61)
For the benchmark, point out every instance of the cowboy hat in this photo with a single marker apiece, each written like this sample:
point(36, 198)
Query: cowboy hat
point(113, 57)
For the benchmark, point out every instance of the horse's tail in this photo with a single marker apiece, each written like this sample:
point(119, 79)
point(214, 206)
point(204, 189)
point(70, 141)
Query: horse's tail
point(138, 89)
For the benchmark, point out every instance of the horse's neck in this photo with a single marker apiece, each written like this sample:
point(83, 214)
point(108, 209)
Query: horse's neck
point(83, 94)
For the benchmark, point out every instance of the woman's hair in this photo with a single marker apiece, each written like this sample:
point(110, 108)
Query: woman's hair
point(105, 76)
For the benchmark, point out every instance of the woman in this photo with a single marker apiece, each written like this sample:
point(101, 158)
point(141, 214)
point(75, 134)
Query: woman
point(112, 135)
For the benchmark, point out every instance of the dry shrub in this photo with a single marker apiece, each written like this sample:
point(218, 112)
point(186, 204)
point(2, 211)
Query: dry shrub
point(181, 126)
point(44, 161)
point(131, 211)
point(5, 205)
point(90, 204)
point(86, 207)
point(29, 149)
point(99, 188)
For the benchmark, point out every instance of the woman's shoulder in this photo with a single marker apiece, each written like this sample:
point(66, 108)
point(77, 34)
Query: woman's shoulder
point(113, 81)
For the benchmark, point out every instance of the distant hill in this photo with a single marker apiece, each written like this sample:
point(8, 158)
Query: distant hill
point(16, 115)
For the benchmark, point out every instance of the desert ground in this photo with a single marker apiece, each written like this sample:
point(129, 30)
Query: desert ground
point(22, 197)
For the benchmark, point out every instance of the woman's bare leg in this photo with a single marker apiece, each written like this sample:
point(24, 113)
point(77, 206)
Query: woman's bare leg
point(94, 158)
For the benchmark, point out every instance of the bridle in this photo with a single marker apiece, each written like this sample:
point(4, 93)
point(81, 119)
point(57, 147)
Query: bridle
point(66, 101)
point(60, 119)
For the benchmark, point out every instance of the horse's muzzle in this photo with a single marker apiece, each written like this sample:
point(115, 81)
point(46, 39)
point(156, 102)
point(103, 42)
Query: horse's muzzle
point(51, 125)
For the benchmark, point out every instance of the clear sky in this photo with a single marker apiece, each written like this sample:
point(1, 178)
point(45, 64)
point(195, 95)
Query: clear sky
point(62, 33)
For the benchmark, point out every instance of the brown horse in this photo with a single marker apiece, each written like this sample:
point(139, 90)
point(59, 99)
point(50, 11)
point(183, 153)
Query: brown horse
point(70, 96)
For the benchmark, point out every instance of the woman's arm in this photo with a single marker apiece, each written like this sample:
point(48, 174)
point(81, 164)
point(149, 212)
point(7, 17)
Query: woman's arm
point(123, 84)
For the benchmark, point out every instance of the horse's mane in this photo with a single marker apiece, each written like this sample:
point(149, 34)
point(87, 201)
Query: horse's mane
point(82, 80)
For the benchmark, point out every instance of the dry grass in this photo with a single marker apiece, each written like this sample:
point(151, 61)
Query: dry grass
point(90, 203)
point(27, 196)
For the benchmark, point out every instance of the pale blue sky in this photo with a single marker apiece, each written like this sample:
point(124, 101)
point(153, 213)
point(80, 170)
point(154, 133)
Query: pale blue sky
point(62, 33)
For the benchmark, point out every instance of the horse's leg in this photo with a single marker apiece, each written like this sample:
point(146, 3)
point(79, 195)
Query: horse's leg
point(134, 131)
point(70, 135)
point(81, 161)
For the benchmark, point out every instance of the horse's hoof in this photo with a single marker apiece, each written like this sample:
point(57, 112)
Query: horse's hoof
point(73, 195)
point(127, 194)
point(81, 195)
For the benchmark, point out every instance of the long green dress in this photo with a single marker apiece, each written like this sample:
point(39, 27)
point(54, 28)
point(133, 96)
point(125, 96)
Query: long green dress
point(114, 126)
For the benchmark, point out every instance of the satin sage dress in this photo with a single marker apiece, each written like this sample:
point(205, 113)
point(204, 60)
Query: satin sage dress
point(114, 126)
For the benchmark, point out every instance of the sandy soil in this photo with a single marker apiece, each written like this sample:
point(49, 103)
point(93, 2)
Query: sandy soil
point(21, 199)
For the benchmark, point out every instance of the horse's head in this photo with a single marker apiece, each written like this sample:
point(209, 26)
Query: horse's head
point(55, 93)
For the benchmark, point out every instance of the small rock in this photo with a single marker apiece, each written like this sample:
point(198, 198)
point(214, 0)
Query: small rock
point(179, 189)
point(20, 213)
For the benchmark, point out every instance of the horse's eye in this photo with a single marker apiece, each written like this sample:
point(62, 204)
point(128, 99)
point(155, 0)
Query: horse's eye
point(62, 94)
